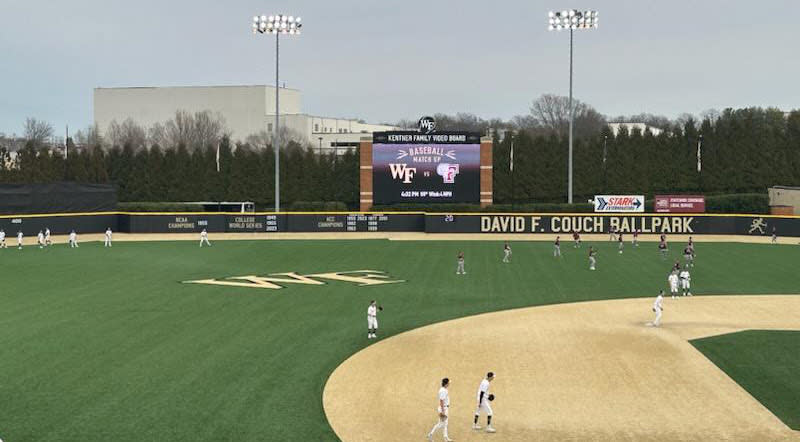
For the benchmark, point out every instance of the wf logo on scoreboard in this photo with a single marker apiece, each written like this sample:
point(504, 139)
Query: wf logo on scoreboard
point(403, 172)
point(426, 124)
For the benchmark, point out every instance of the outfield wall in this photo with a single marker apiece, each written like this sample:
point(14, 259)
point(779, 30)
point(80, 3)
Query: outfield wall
point(401, 222)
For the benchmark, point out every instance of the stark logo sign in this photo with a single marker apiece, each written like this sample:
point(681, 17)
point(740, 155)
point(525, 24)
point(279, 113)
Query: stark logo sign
point(277, 281)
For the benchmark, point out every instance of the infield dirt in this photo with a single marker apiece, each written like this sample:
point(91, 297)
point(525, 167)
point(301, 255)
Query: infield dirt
point(581, 371)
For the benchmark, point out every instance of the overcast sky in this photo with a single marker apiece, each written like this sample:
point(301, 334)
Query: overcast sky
point(387, 60)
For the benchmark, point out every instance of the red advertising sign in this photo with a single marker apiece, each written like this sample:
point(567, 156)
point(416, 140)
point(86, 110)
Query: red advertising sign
point(680, 203)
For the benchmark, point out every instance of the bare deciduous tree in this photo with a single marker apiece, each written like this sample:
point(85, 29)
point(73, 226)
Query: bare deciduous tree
point(551, 112)
point(196, 130)
point(126, 133)
point(37, 132)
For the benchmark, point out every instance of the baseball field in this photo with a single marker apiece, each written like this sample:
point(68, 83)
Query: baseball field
point(117, 344)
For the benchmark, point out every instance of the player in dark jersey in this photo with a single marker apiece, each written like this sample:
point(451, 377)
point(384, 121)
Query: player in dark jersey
point(635, 240)
point(621, 242)
point(557, 247)
point(577, 238)
point(662, 247)
point(688, 255)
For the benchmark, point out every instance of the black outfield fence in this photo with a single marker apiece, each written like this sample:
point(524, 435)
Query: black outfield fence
point(129, 222)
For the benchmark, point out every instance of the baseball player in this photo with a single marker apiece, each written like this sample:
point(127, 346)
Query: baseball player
point(612, 234)
point(676, 267)
point(691, 244)
point(662, 247)
point(372, 319)
point(774, 236)
point(557, 247)
point(3, 239)
point(483, 404)
point(635, 240)
point(577, 238)
point(673, 284)
point(40, 239)
point(19, 239)
point(444, 411)
point(460, 269)
point(73, 239)
point(107, 242)
point(47, 241)
point(686, 280)
point(688, 255)
point(621, 243)
point(658, 308)
point(592, 259)
point(204, 238)
point(506, 252)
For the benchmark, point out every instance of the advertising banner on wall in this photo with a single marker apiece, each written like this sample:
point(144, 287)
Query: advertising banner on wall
point(680, 204)
point(618, 203)
point(414, 167)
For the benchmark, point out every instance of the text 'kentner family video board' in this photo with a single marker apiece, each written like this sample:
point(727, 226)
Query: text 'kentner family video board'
point(416, 167)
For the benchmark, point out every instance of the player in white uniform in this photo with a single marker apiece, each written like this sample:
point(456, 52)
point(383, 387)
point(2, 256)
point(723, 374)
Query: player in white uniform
point(372, 319)
point(686, 280)
point(40, 239)
point(557, 247)
point(19, 239)
point(673, 284)
point(506, 252)
point(204, 238)
point(483, 404)
point(108, 238)
point(73, 239)
point(444, 411)
point(47, 241)
point(460, 269)
point(658, 308)
point(3, 239)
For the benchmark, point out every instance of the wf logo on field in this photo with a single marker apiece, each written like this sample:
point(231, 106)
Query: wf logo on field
point(276, 281)
point(448, 172)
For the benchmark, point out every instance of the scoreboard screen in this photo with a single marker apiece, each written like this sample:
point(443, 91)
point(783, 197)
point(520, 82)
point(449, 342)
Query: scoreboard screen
point(412, 167)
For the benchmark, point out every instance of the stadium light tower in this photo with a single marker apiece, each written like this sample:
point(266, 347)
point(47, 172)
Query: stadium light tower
point(278, 25)
point(571, 19)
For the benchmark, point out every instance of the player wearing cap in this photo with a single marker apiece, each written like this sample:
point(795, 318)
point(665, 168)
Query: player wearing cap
point(204, 238)
point(107, 242)
point(577, 238)
point(621, 242)
point(19, 239)
point(483, 404)
point(557, 247)
point(592, 258)
point(3, 239)
point(506, 252)
point(40, 239)
point(444, 411)
point(658, 308)
point(73, 239)
point(686, 280)
point(372, 319)
point(460, 264)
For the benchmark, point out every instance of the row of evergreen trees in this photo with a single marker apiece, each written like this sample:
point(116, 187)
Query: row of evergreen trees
point(745, 150)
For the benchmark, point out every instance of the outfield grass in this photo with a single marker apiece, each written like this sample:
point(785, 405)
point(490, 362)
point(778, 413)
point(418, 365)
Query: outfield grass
point(107, 345)
point(766, 363)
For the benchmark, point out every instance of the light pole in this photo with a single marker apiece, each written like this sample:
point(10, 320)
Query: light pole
point(279, 25)
point(571, 19)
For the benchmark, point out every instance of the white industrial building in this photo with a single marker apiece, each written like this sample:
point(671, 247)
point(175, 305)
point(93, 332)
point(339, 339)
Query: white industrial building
point(247, 110)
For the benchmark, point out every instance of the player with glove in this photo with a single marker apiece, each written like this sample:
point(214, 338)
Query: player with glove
point(372, 319)
point(483, 404)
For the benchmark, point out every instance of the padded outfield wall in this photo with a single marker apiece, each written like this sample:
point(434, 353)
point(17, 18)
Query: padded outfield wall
point(128, 222)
